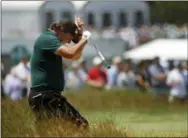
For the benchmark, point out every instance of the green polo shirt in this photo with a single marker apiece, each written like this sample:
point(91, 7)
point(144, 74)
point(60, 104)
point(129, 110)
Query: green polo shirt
point(46, 66)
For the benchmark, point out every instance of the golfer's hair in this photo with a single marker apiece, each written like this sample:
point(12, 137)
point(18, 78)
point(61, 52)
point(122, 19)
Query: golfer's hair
point(65, 26)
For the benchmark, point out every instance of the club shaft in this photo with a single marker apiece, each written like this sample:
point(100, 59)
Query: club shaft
point(100, 54)
point(102, 57)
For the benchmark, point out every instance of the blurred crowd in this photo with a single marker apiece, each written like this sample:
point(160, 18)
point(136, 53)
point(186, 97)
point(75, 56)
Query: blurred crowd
point(136, 36)
point(15, 84)
point(152, 76)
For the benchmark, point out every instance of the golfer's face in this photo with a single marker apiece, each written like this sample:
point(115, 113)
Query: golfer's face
point(66, 37)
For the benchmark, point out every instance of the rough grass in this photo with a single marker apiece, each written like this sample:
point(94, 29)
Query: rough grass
point(117, 113)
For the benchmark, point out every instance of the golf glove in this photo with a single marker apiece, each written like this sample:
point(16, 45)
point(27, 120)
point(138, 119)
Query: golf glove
point(86, 35)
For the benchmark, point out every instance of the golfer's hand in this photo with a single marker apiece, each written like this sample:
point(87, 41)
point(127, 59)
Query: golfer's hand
point(86, 35)
point(79, 23)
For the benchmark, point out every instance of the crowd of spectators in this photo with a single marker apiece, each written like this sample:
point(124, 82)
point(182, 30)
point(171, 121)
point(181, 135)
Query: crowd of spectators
point(146, 76)
point(151, 75)
point(136, 36)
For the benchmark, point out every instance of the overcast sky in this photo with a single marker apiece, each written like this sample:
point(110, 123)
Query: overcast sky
point(78, 4)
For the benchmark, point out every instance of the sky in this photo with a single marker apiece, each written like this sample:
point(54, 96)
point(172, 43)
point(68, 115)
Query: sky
point(78, 4)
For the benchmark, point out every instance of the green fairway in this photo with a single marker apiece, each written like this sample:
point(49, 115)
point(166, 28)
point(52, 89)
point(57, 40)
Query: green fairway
point(112, 114)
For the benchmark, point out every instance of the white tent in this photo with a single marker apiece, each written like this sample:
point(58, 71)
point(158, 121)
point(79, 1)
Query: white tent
point(169, 49)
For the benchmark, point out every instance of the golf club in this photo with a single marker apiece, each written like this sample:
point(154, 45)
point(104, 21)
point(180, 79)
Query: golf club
point(101, 56)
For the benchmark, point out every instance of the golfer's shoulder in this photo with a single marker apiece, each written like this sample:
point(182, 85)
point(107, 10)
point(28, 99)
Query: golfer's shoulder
point(47, 37)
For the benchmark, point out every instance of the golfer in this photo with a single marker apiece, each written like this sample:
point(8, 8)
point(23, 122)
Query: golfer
point(47, 83)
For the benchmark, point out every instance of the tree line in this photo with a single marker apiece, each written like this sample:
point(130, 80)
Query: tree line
point(175, 12)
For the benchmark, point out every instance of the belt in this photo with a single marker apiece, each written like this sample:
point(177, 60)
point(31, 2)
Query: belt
point(44, 89)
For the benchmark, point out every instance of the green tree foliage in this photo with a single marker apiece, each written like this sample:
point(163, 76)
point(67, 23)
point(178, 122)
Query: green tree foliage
point(169, 11)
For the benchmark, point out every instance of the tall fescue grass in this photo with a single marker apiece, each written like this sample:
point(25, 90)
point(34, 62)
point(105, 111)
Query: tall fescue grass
point(17, 119)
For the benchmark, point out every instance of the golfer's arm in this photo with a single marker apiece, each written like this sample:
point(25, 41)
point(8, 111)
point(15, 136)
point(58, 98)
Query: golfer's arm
point(77, 56)
point(71, 52)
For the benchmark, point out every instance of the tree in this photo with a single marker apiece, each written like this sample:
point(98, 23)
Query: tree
point(169, 11)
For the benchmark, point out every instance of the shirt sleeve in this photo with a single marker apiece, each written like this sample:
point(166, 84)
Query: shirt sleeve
point(51, 43)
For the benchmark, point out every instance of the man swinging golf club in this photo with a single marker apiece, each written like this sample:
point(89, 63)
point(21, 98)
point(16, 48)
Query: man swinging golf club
point(47, 83)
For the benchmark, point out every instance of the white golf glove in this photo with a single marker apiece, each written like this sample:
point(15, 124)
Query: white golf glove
point(86, 35)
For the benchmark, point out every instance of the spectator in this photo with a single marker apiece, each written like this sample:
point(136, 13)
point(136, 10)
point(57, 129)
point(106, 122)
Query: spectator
point(109, 32)
point(164, 64)
point(75, 79)
point(126, 78)
point(158, 76)
point(185, 74)
point(2, 71)
point(170, 65)
point(83, 65)
point(142, 77)
point(22, 72)
point(2, 80)
point(129, 35)
point(113, 72)
point(65, 67)
point(97, 77)
point(13, 86)
point(176, 82)
point(144, 34)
